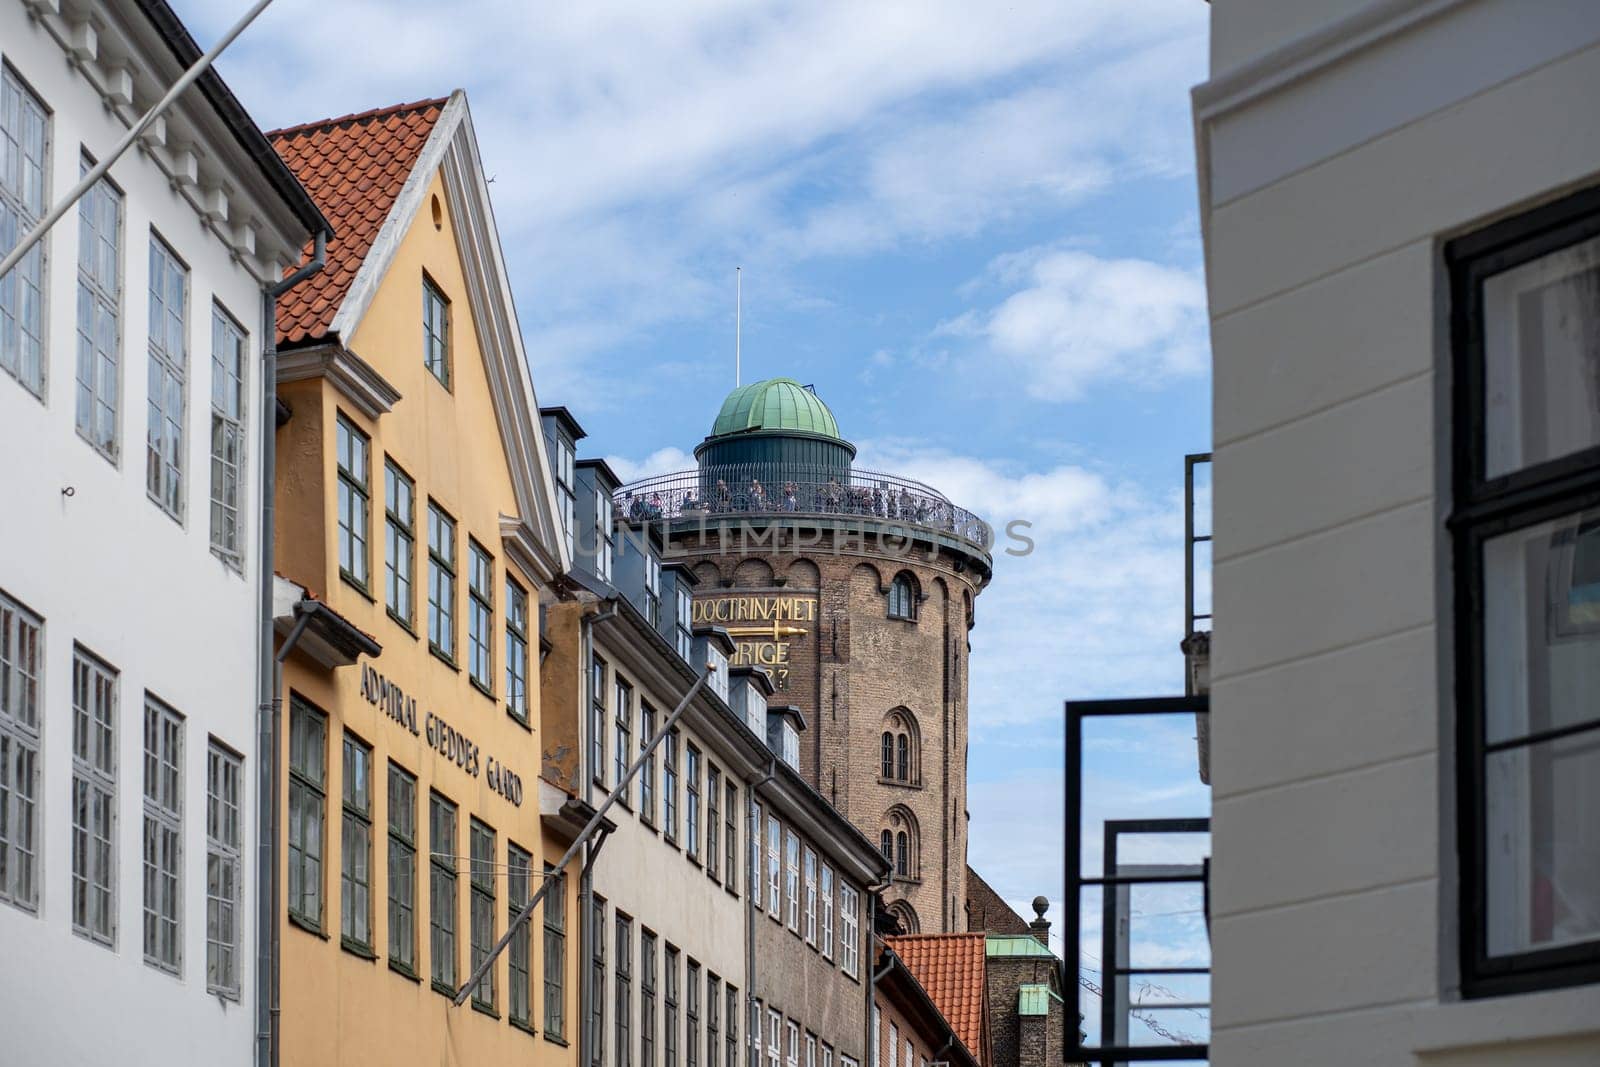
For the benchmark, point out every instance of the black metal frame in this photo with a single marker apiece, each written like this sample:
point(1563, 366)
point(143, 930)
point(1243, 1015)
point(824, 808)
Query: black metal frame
point(1483, 508)
point(1190, 539)
point(1074, 1051)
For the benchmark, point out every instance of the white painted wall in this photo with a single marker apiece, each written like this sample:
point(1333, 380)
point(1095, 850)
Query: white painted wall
point(1335, 158)
point(108, 568)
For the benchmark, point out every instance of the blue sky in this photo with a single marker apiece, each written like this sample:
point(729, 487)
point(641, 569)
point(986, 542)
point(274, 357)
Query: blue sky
point(973, 229)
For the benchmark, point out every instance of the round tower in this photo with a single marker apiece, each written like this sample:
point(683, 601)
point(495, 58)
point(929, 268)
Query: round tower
point(854, 589)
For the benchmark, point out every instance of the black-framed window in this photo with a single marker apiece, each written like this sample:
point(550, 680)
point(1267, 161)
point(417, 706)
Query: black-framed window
point(1525, 528)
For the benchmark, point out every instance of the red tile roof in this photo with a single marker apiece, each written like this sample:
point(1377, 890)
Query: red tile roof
point(951, 968)
point(353, 167)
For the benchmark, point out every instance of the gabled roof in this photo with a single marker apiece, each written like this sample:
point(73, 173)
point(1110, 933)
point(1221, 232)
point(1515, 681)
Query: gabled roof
point(988, 911)
point(354, 168)
point(951, 968)
point(370, 172)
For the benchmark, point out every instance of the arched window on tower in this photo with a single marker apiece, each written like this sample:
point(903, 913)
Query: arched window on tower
point(903, 596)
point(900, 749)
point(899, 842)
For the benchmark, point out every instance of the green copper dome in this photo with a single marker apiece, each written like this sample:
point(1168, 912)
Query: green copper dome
point(775, 404)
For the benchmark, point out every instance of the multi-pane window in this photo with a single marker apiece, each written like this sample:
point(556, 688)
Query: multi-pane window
point(168, 378)
point(480, 616)
point(480, 930)
point(685, 624)
point(647, 771)
point(24, 147)
point(652, 589)
point(811, 1049)
point(1526, 530)
point(669, 763)
point(554, 906)
point(353, 452)
point(308, 766)
point(774, 887)
point(597, 980)
point(229, 375)
point(850, 930)
point(876, 1045)
point(597, 720)
point(693, 804)
point(827, 1055)
point(732, 1015)
point(604, 527)
point(519, 954)
point(400, 542)
point(713, 818)
point(224, 837)
point(827, 912)
point(442, 892)
point(516, 650)
point(774, 1036)
point(713, 1020)
point(402, 870)
point(624, 992)
point(99, 314)
point(163, 836)
point(791, 878)
point(94, 797)
point(566, 479)
point(691, 987)
point(894, 1045)
point(435, 332)
point(753, 1056)
point(791, 1057)
point(622, 751)
point(647, 999)
point(730, 866)
point(811, 896)
point(902, 598)
point(441, 582)
point(670, 1043)
point(355, 846)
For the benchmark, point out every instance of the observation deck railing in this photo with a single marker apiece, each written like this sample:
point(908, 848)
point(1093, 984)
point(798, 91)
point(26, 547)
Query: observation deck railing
point(777, 489)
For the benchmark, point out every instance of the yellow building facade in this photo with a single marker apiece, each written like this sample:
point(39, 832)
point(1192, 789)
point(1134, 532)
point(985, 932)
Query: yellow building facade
point(415, 510)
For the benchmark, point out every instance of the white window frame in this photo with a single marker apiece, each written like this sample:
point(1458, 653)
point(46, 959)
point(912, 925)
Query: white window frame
point(791, 1043)
point(774, 1031)
point(827, 912)
point(163, 837)
point(229, 435)
point(99, 368)
point(810, 875)
point(850, 929)
point(166, 439)
point(774, 885)
point(224, 867)
point(23, 350)
point(791, 879)
point(95, 686)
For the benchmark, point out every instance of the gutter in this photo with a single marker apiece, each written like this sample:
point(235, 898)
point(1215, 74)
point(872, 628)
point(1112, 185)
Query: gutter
point(871, 893)
point(269, 712)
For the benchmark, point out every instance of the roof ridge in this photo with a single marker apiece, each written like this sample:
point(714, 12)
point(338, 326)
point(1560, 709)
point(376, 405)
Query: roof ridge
point(359, 116)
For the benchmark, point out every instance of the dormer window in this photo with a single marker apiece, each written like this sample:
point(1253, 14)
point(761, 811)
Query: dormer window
point(602, 535)
point(718, 662)
point(566, 478)
point(789, 748)
point(652, 590)
point(903, 597)
point(685, 616)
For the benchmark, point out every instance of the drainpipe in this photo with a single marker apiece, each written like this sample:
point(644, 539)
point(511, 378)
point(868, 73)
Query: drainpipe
point(268, 679)
point(871, 893)
point(586, 990)
point(751, 885)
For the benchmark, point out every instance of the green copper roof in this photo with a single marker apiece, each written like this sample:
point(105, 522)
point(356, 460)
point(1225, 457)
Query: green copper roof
point(775, 404)
point(1014, 945)
point(1034, 999)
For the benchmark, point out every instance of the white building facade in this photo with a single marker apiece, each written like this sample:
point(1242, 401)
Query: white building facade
point(130, 345)
point(1401, 209)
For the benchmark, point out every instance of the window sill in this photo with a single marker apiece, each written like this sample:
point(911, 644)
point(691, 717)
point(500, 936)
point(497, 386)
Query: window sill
point(527, 1028)
point(484, 1009)
point(444, 657)
point(520, 720)
point(404, 624)
point(356, 948)
point(443, 990)
point(899, 783)
point(556, 1039)
point(232, 563)
point(308, 925)
point(1555, 1014)
point(485, 690)
point(405, 972)
point(355, 583)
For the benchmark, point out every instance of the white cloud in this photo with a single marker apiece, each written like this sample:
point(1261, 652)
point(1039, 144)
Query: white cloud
point(661, 461)
point(1079, 320)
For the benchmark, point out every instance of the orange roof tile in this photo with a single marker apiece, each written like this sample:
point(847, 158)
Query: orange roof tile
point(951, 968)
point(354, 168)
